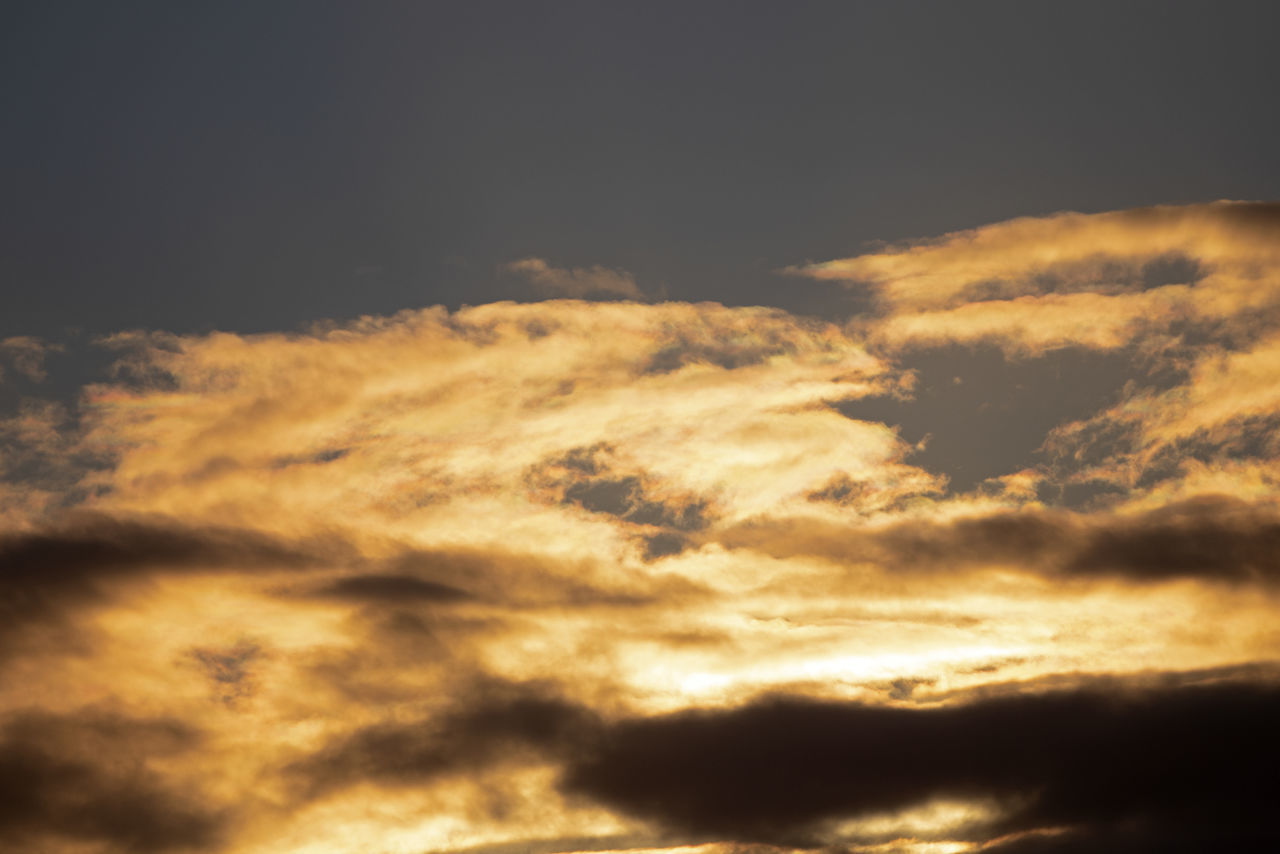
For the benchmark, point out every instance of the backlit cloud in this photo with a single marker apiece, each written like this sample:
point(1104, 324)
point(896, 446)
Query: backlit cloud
point(593, 576)
point(1098, 280)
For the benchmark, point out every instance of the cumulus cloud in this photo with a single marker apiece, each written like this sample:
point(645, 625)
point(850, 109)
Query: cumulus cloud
point(576, 282)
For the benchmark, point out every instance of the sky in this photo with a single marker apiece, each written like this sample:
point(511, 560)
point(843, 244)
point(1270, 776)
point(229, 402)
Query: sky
point(700, 428)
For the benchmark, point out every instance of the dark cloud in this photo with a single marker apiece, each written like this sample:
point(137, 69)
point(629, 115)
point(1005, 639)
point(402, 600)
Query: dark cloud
point(44, 571)
point(92, 544)
point(516, 579)
point(392, 588)
point(559, 845)
point(496, 723)
point(1174, 756)
point(86, 778)
point(1198, 760)
point(1213, 538)
point(1140, 837)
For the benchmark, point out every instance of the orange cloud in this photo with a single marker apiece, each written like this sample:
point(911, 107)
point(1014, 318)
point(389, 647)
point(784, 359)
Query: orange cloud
point(1093, 280)
point(458, 581)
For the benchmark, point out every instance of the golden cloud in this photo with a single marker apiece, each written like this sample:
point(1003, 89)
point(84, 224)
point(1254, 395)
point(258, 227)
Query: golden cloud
point(600, 576)
point(1094, 280)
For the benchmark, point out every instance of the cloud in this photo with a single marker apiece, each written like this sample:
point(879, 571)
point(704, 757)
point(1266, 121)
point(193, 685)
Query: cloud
point(1091, 280)
point(437, 413)
point(782, 770)
point(42, 462)
point(1222, 415)
point(1212, 538)
point(1221, 539)
point(391, 588)
point(500, 577)
point(89, 558)
point(26, 355)
point(96, 544)
point(498, 723)
point(1187, 296)
point(576, 282)
point(87, 778)
point(516, 577)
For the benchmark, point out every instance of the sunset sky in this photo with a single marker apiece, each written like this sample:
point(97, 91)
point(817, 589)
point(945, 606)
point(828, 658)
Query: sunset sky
point(665, 428)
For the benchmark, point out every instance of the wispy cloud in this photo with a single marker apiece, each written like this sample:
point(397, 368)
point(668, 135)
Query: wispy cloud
point(571, 575)
point(1093, 280)
point(26, 355)
point(576, 282)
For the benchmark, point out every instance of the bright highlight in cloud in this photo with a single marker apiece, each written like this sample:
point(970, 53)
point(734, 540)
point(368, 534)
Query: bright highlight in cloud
point(586, 576)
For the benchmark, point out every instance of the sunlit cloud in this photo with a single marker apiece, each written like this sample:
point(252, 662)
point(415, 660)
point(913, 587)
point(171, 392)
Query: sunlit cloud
point(605, 576)
point(1096, 281)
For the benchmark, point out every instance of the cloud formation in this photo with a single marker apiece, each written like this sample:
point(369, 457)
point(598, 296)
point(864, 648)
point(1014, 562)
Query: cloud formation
point(1212, 538)
point(1189, 763)
point(86, 779)
point(1092, 280)
point(989, 567)
point(26, 355)
point(576, 282)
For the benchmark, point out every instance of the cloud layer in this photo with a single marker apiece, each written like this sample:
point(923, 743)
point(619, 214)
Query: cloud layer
point(580, 575)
